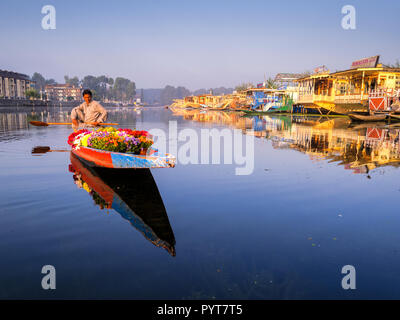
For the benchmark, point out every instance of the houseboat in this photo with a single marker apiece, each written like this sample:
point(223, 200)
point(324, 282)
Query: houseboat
point(346, 91)
point(269, 100)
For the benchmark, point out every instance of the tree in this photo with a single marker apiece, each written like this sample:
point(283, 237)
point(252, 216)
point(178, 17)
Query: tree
point(51, 82)
point(95, 95)
point(73, 81)
point(394, 65)
point(89, 82)
point(306, 73)
point(124, 89)
point(102, 86)
point(40, 81)
point(32, 93)
point(169, 93)
point(244, 86)
point(182, 92)
point(271, 84)
point(217, 91)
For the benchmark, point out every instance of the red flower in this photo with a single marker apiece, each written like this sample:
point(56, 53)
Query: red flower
point(135, 133)
point(72, 136)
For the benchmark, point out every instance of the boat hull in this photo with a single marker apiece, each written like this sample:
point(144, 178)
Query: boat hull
point(395, 117)
point(371, 118)
point(115, 160)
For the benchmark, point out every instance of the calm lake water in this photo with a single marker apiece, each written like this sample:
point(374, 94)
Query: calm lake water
point(323, 194)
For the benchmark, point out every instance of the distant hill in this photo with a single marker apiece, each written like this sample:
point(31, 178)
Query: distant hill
point(216, 91)
point(151, 96)
point(166, 95)
point(169, 93)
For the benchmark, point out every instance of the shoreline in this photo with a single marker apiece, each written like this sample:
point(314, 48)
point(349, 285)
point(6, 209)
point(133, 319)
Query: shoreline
point(17, 103)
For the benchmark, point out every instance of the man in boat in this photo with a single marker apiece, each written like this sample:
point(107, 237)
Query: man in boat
point(90, 113)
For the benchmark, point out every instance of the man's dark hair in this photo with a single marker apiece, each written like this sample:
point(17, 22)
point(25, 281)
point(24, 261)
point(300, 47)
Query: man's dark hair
point(86, 91)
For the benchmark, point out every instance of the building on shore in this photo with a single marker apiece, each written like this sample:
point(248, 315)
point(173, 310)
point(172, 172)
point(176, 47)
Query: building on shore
point(13, 85)
point(349, 90)
point(63, 92)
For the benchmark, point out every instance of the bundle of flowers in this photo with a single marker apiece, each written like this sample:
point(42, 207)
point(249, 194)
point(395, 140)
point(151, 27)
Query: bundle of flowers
point(110, 139)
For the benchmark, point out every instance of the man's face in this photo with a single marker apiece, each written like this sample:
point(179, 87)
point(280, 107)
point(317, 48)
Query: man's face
point(87, 98)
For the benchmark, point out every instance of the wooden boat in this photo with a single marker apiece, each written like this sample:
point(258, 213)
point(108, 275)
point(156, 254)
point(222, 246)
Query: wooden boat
point(116, 160)
point(138, 203)
point(360, 117)
point(394, 117)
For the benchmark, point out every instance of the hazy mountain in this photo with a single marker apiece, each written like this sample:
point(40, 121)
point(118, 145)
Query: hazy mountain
point(167, 94)
point(216, 91)
point(151, 96)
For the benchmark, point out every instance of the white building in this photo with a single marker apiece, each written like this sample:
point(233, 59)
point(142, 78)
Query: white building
point(13, 85)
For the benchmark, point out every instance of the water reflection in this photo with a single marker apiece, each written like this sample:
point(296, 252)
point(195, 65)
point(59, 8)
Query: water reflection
point(360, 148)
point(15, 119)
point(230, 119)
point(133, 194)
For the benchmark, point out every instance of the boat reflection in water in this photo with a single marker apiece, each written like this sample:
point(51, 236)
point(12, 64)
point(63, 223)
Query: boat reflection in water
point(133, 194)
point(360, 148)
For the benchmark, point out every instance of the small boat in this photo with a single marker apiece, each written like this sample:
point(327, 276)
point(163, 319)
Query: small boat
point(394, 117)
point(116, 160)
point(360, 117)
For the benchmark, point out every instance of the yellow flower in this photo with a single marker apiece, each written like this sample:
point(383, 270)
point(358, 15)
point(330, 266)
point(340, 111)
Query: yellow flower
point(84, 140)
point(86, 187)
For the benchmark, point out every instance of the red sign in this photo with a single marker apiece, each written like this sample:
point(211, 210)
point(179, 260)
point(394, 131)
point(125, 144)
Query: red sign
point(378, 104)
point(365, 63)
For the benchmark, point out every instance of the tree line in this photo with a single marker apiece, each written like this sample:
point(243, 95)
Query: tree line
point(102, 87)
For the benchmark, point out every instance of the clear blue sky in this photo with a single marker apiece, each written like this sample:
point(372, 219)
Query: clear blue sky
point(193, 43)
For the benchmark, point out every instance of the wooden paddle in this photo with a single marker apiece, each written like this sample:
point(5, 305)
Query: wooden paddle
point(45, 149)
point(45, 124)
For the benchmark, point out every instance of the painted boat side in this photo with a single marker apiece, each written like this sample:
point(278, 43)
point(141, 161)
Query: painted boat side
point(116, 160)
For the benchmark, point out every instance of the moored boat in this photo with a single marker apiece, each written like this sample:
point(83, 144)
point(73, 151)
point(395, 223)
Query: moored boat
point(394, 117)
point(361, 117)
